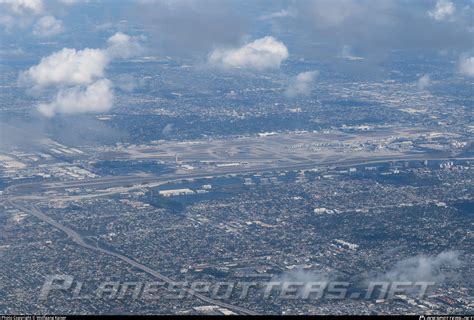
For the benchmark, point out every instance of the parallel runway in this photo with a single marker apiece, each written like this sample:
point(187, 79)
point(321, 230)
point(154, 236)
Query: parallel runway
point(112, 181)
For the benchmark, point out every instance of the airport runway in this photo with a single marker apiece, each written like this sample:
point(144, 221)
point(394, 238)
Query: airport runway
point(112, 181)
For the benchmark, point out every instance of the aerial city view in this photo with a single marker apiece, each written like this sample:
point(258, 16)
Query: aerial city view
point(228, 157)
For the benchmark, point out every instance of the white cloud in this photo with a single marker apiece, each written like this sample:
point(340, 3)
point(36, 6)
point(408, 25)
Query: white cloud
point(78, 76)
point(264, 53)
point(78, 67)
point(123, 46)
point(67, 67)
point(24, 6)
point(48, 26)
point(19, 13)
point(443, 10)
point(424, 82)
point(301, 84)
point(466, 66)
point(95, 98)
point(436, 268)
point(424, 268)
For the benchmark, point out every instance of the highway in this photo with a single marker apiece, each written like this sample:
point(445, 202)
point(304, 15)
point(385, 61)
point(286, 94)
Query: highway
point(74, 236)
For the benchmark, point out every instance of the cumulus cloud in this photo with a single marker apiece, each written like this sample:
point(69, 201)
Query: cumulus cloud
point(423, 268)
point(301, 84)
point(67, 67)
point(424, 82)
point(19, 13)
point(95, 98)
point(466, 66)
point(123, 46)
point(443, 10)
point(24, 6)
point(79, 67)
point(78, 76)
point(48, 26)
point(264, 53)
